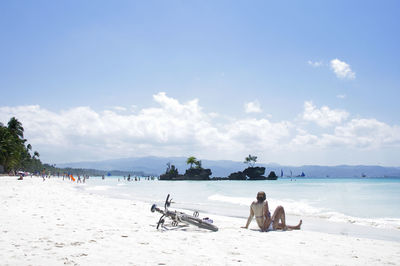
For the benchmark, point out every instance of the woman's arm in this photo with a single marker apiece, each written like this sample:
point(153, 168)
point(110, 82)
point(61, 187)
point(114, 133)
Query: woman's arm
point(250, 217)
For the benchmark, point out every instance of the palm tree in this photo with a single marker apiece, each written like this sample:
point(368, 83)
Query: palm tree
point(36, 154)
point(250, 160)
point(4, 144)
point(16, 127)
point(191, 160)
point(10, 149)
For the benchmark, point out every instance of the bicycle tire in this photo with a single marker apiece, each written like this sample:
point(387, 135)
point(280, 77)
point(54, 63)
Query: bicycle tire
point(198, 222)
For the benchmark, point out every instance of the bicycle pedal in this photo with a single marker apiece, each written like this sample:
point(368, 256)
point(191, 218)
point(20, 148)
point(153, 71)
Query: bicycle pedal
point(208, 220)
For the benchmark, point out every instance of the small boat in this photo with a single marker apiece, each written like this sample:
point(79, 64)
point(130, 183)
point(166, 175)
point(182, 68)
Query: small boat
point(302, 175)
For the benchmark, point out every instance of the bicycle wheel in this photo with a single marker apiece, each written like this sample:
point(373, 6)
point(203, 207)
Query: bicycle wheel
point(198, 222)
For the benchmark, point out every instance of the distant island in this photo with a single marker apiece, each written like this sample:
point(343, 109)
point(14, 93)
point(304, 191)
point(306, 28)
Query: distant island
point(193, 173)
point(199, 173)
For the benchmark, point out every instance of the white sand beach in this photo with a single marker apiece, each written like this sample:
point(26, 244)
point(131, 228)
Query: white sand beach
point(52, 223)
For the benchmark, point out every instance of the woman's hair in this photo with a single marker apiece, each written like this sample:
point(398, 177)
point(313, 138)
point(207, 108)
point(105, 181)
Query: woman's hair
point(261, 196)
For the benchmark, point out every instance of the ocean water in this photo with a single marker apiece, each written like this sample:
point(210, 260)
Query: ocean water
point(365, 207)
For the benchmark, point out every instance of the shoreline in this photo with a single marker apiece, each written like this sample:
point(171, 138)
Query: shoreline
point(52, 223)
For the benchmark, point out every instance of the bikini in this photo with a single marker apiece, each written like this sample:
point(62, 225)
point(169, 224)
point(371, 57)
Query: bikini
point(257, 208)
point(270, 228)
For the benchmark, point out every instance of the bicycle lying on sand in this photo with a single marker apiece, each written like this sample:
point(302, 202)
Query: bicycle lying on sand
point(181, 217)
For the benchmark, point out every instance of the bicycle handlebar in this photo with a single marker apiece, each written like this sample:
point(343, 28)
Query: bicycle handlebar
point(166, 205)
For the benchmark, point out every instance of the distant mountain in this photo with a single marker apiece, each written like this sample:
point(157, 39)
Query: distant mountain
point(150, 165)
point(156, 165)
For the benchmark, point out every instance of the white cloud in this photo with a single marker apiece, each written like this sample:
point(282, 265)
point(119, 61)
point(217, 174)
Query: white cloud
point(173, 128)
point(324, 116)
point(342, 69)
point(259, 133)
point(367, 133)
point(359, 134)
point(304, 140)
point(315, 64)
point(252, 107)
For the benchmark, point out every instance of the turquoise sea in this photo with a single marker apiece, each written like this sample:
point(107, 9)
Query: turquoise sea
point(362, 207)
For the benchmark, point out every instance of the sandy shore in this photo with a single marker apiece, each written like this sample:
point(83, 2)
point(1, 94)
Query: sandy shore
point(52, 223)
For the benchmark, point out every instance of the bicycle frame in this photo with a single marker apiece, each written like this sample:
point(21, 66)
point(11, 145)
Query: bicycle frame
point(178, 217)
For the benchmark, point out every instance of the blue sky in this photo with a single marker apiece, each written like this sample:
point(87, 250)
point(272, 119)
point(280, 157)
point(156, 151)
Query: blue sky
point(324, 74)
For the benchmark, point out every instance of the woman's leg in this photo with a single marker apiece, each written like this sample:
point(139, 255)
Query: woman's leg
point(296, 227)
point(279, 214)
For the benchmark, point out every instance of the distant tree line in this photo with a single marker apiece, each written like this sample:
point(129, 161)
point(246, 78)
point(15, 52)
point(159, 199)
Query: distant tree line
point(15, 152)
point(95, 172)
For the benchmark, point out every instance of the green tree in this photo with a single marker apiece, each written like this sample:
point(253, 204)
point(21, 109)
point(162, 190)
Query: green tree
point(198, 164)
point(191, 160)
point(250, 160)
point(16, 128)
point(171, 170)
point(7, 146)
point(14, 154)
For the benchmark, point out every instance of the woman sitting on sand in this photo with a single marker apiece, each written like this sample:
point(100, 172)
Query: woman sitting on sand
point(264, 220)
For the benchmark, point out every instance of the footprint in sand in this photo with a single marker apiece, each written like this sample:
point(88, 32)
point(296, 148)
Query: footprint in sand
point(76, 243)
point(59, 245)
point(80, 255)
point(69, 262)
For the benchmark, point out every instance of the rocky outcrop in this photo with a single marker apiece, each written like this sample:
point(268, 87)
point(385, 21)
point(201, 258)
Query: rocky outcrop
point(237, 176)
point(255, 173)
point(190, 174)
point(171, 173)
point(169, 176)
point(272, 176)
point(197, 174)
